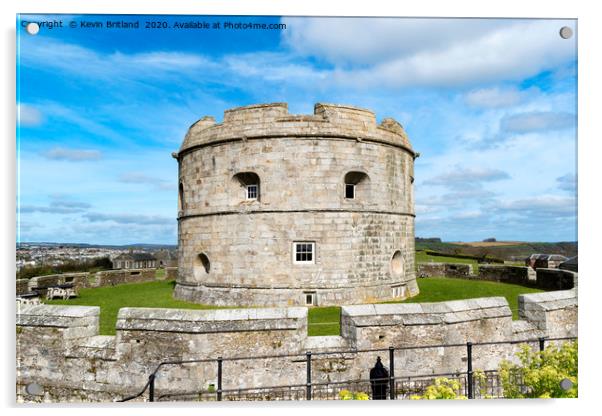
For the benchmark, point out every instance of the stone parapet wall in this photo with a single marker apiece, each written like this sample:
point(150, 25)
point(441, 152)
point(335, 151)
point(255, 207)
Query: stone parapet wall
point(59, 347)
point(552, 312)
point(273, 120)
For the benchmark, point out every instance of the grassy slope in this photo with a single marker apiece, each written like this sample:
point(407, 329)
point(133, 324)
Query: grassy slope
point(422, 257)
point(503, 250)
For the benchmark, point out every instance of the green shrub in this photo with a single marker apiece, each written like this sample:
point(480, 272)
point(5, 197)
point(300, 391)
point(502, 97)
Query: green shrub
point(443, 388)
point(348, 395)
point(541, 372)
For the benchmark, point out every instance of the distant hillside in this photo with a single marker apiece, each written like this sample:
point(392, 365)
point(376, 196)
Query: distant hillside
point(507, 250)
point(86, 245)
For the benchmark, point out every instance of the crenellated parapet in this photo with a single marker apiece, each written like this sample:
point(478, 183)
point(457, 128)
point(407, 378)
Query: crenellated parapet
point(273, 121)
point(59, 347)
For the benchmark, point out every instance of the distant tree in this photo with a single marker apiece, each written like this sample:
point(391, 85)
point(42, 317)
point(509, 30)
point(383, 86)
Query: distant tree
point(490, 240)
point(103, 263)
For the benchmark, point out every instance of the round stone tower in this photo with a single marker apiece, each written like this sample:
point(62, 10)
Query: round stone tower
point(278, 209)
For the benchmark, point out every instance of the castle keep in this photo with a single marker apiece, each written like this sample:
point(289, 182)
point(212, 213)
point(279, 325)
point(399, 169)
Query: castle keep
point(278, 209)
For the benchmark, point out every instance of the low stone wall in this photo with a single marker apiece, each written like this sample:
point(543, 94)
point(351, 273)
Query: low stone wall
point(554, 313)
point(171, 273)
point(22, 286)
point(117, 277)
point(94, 279)
point(507, 274)
point(59, 348)
point(444, 269)
point(556, 279)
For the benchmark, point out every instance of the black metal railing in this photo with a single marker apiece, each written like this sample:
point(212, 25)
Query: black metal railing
point(399, 387)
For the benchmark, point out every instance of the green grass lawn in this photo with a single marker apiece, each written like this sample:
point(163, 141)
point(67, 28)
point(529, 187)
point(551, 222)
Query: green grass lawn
point(321, 320)
point(439, 289)
point(422, 257)
point(324, 321)
point(142, 295)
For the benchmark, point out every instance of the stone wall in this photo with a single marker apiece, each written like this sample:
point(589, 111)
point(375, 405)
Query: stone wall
point(235, 251)
point(117, 277)
point(507, 274)
point(542, 278)
point(59, 347)
point(171, 273)
point(555, 279)
point(22, 286)
point(444, 269)
point(96, 279)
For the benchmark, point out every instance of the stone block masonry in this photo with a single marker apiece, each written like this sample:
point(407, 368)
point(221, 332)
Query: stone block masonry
point(59, 348)
point(280, 210)
point(89, 279)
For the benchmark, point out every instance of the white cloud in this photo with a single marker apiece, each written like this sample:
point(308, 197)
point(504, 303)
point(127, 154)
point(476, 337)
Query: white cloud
point(28, 115)
point(142, 178)
point(493, 97)
point(567, 182)
point(540, 205)
point(431, 52)
point(72, 155)
point(130, 219)
point(466, 177)
point(537, 121)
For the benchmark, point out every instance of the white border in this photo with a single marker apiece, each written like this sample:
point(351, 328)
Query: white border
point(589, 172)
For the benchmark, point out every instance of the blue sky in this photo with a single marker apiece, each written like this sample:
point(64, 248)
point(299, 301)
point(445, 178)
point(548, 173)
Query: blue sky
point(489, 103)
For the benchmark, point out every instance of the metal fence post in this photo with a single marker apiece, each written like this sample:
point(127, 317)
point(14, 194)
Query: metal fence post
point(151, 388)
point(469, 369)
point(392, 373)
point(308, 386)
point(542, 344)
point(219, 379)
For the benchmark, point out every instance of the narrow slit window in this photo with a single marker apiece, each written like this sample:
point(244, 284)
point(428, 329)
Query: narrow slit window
point(304, 252)
point(350, 191)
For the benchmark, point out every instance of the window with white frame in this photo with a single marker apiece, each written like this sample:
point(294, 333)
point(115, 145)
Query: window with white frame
point(252, 191)
point(310, 298)
point(304, 252)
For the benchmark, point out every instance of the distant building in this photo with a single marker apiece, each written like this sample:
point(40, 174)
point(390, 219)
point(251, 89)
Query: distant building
point(166, 258)
point(550, 261)
point(133, 260)
point(570, 264)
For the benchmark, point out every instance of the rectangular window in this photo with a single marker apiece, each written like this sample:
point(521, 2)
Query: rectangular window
point(349, 191)
point(252, 191)
point(303, 252)
point(310, 299)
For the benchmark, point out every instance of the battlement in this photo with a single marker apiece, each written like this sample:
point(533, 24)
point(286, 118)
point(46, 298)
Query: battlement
point(255, 113)
point(58, 347)
point(273, 120)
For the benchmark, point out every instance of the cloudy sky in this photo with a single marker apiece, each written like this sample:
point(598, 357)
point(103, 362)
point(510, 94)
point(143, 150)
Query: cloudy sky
point(489, 104)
